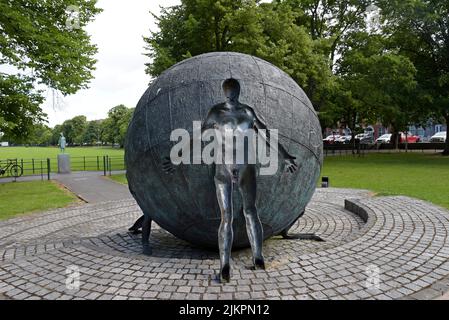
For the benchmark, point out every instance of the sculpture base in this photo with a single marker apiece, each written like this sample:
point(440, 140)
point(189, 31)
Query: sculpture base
point(64, 163)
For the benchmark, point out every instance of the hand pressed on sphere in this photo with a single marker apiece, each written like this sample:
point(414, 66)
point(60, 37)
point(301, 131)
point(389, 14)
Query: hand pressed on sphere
point(291, 165)
point(168, 166)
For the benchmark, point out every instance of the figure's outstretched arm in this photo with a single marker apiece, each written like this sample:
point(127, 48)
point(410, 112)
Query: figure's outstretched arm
point(167, 164)
point(289, 159)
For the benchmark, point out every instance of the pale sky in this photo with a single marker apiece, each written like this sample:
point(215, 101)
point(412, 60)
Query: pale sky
point(120, 76)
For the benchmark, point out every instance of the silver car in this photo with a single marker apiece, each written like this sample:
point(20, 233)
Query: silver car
point(439, 137)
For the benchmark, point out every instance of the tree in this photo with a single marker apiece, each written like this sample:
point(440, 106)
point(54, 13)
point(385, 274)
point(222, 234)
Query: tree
point(19, 106)
point(375, 84)
point(382, 81)
point(40, 135)
point(92, 134)
point(123, 124)
point(73, 129)
point(55, 134)
point(419, 29)
point(36, 40)
point(266, 30)
point(331, 20)
point(115, 126)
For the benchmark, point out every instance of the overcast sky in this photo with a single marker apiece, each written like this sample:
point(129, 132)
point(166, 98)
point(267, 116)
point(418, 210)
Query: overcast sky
point(120, 71)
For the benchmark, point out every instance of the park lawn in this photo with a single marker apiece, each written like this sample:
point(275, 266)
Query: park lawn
point(52, 152)
point(81, 158)
point(120, 178)
point(24, 197)
point(422, 176)
point(418, 175)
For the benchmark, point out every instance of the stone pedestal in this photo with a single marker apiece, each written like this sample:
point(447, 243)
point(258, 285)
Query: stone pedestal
point(63, 163)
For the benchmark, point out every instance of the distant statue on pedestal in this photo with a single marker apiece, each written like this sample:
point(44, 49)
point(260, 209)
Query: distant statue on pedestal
point(62, 143)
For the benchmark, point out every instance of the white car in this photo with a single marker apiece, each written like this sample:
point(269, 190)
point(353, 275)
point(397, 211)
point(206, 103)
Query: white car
point(344, 139)
point(439, 137)
point(384, 138)
point(331, 139)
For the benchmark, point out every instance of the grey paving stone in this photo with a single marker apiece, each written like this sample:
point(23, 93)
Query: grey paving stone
point(409, 246)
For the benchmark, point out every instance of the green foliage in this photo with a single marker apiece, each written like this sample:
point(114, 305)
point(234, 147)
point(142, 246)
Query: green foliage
point(331, 20)
point(41, 135)
point(73, 129)
point(92, 133)
point(34, 37)
point(419, 29)
point(375, 84)
point(19, 106)
point(266, 30)
point(116, 125)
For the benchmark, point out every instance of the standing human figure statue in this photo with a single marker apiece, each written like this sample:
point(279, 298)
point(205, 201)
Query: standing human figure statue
point(231, 117)
point(240, 119)
point(62, 142)
point(234, 118)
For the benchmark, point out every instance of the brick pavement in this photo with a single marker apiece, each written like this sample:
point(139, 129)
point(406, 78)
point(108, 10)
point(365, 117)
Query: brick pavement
point(389, 248)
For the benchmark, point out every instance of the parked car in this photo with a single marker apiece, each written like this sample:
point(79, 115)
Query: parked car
point(343, 139)
point(411, 138)
point(439, 137)
point(331, 139)
point(386, 138)
point(365, 138)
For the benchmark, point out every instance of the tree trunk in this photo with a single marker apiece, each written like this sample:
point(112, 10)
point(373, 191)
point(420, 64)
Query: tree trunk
point(446, 147)
point(394, 140)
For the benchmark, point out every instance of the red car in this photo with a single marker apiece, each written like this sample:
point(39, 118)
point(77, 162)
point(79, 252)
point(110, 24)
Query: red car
point(410, 138)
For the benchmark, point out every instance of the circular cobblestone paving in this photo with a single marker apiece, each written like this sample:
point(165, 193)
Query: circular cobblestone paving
point(381, 248)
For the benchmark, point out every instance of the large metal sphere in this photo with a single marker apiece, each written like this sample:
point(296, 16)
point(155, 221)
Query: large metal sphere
point(185, 203)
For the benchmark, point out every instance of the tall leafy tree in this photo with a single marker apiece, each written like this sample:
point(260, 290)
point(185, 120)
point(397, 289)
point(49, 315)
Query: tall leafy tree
point(73, 129)
point(376, 84)
point(331, 20)
point(420, 30)
point(267, 30)
point(46, 43)
point(92, 134)
point(19, 106)
point(115, 126)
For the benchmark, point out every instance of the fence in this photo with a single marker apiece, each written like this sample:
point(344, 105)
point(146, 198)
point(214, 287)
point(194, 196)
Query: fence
point(361, 149)
point(44, 167)
point(18, 167)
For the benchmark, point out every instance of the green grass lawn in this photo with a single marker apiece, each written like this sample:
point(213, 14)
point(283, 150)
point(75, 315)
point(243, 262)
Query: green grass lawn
point(120, 178)
point(24, 197)
point(422, 176)
point(89, 158)
point(52, 152)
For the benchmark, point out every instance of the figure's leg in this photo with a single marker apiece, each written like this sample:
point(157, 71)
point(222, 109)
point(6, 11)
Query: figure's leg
point(254, 228)
point(225, 233)
point(146, 230)
point(299, 236)
point(137, 225)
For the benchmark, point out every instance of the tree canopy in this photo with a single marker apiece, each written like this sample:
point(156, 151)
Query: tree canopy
point(266, 30)
point(37, 40)
point(419, 30)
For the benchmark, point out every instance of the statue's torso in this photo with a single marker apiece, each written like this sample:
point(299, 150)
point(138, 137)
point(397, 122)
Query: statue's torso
point(236, 122)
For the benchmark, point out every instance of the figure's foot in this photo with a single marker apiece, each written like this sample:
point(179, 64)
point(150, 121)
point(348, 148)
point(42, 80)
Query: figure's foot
point(134, 231)
point(302, 236)
point(259, 264)
point(147, 250)
point(225, 274)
